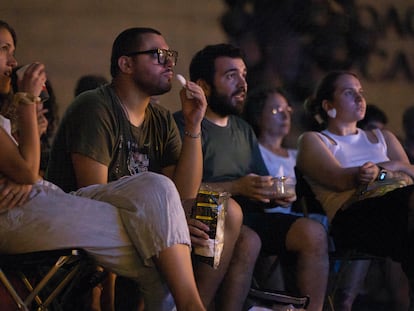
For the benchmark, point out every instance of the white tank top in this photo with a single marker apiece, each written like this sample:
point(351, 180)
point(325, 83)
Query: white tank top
point(355, 150)
point(350, 151)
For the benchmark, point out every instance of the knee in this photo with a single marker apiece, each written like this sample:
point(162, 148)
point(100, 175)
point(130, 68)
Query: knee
point(307, 235)
point(234, 217)
point(161, 181)
point(159, 188)
point(248, 245)
point(148, 184)
point(250, 242)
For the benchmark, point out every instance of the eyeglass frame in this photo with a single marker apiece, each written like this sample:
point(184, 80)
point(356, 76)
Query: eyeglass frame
point(169, 54)
point(287, 109)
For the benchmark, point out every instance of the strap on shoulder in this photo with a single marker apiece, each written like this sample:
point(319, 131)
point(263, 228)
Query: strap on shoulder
point(326, 137)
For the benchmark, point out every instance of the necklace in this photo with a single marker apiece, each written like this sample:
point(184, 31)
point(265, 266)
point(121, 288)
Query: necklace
point(137, 159)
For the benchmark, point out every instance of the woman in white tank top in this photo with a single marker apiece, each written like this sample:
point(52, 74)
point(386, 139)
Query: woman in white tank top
point(343, 159)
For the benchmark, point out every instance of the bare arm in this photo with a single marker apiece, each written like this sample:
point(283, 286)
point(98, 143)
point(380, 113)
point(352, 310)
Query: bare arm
point(398, 158)
point(88, 171)
point(315, 160)
point(21, 163)
point(188, 172)
point(252, 186)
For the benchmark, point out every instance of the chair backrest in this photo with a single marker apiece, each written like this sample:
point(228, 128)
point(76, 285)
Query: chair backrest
point(340, 259)
point(306, 201)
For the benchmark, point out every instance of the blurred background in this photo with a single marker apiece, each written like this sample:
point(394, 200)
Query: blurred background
point(290, 43)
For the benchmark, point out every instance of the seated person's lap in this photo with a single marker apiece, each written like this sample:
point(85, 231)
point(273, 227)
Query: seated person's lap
point(373, 230)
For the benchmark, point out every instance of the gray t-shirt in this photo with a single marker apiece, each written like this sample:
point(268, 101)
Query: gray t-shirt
point(96, 126)
point(229, 152)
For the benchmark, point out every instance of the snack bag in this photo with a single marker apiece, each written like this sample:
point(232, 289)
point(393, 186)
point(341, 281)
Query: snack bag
point(210, 208)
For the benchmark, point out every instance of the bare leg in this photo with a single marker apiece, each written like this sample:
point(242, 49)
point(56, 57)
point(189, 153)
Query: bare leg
point(238, 279)
point(103, 295)
point(268, 272)
point(209, 279)
point(351, 283)
point(308, 239)
point(399, 285)
point(108, 293)
point(96, 299)
point(175, 264)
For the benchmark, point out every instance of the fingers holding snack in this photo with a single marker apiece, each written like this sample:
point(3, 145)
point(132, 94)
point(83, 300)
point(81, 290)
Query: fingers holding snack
point(183, 83)
point(194, 102)
point(198, 232)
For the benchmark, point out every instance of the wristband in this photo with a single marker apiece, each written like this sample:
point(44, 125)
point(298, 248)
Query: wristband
point(187, 133)
point(26, 98)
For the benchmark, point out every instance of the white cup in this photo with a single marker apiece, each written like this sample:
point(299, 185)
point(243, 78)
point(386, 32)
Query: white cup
point(44, 94)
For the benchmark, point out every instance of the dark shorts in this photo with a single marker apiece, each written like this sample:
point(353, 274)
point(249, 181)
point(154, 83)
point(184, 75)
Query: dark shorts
point(378, 226)
point(272, 228)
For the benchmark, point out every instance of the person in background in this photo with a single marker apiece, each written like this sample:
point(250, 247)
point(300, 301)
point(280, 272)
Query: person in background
point(89, 82)
point(268, 111)
point(363, 179)
point(374, 118)
point(232, 162)
point(143, 237)
point(115, 131)
point(49, 115)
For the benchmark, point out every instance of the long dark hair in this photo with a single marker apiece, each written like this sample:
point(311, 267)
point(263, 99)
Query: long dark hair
point(4, 25)
point(6, 107)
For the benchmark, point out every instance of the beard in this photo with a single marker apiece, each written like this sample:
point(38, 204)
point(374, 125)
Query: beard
point(151, 88)
point(159, 90)
point(223, 106)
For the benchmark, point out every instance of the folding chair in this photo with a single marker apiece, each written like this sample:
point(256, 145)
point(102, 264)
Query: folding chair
point(339, 259)
point(48, 276)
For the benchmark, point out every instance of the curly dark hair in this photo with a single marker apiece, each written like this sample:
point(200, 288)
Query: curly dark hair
point(202, 64)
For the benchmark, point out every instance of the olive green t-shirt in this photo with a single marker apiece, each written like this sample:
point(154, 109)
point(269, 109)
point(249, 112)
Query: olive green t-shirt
point(96, 126)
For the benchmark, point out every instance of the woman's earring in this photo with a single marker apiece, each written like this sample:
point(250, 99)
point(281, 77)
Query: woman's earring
point(332, 113)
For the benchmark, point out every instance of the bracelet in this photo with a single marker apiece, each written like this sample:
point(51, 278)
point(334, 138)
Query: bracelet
point(187, 133)
point(26, 98)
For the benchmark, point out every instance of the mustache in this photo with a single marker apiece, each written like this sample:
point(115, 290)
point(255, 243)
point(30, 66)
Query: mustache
point(240, 91)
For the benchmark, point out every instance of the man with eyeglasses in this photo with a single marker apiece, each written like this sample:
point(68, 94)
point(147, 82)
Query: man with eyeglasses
point(114, 130)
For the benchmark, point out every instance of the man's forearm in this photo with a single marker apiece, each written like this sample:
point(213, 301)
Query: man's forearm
point(189, 169)
point(227, 186)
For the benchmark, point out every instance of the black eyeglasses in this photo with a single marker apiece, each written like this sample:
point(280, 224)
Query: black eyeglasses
point(163, 55)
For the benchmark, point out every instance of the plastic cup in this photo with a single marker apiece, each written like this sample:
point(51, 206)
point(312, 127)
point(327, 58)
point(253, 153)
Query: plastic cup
point(44, 94)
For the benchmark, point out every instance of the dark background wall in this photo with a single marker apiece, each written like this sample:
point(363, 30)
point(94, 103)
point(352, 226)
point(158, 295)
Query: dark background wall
point(75, 37)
